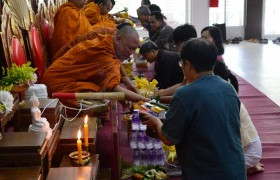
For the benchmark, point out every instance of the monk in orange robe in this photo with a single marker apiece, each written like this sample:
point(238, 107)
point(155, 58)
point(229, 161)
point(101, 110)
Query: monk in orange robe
point(93, 64)
point(69, 22)
point(97, 14)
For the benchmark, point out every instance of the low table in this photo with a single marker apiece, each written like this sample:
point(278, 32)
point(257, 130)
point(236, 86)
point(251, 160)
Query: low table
point(21, 173)
point(70, 173)
point(23, 149)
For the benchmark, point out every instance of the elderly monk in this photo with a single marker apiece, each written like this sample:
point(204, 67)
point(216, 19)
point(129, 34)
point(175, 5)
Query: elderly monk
point(93, 64)
point(69, 22)
point(97, 13)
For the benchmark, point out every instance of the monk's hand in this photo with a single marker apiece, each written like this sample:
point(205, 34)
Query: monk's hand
point(132, 87)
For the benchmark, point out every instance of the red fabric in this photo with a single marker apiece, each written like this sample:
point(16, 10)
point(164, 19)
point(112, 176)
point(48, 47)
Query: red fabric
point(37, 52)
point(214, 3)
point(19, 57)
point(64, 95)
point(265, 115)
point(47, 31)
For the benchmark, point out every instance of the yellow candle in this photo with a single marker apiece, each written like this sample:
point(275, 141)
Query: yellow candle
point(79, 147)
point(86, 131)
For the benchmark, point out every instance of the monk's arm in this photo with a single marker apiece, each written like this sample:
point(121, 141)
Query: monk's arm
point(129, 95)
point(125, 79)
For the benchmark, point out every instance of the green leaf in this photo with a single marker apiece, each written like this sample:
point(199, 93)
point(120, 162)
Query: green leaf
point(18, 74)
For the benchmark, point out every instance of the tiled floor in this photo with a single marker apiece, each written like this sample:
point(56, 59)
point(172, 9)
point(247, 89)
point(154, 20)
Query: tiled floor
point(259, 64)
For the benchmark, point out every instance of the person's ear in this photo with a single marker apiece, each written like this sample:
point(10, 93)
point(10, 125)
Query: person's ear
point(118, 39)
point(187, 65)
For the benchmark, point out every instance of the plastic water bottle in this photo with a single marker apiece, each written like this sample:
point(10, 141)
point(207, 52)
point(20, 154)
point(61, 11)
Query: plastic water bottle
point(144, 157)
point(136, 157)
point(140, 140)
point(135, 122)
point(148, 142)
point(160, 157)
point(153, 157)
point(143, 127)
point(133, 139)
point(157, 144)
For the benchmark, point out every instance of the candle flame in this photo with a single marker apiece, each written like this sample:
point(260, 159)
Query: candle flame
point(86, 119)
point(79, 134)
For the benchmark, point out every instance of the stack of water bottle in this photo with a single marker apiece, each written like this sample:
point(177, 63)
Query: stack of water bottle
point(146, 150)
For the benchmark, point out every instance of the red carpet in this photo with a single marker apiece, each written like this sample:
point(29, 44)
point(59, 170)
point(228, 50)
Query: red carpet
point(264, 113)
point(266, 117)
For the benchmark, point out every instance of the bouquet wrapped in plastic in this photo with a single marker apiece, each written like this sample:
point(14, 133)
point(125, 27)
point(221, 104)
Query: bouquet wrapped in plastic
point(146, 88)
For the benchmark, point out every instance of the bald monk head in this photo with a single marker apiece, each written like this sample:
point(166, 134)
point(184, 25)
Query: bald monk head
point(126, 40)
point(79, 3)
point(104, 5)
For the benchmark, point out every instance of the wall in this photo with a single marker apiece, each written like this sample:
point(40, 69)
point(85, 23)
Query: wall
point(235, 31)
point(200, 18)
point(199, 14)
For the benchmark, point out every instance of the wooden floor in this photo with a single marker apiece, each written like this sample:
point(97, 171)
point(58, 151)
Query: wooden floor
point(259, 64)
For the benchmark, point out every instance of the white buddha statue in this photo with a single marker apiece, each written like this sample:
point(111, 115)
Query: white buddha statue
point(38, 123)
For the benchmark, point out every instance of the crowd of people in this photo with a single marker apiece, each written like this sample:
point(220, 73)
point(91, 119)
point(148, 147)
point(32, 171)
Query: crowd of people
point(211, 129)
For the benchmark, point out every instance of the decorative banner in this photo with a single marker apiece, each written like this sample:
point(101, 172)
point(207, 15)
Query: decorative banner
point(214, 3)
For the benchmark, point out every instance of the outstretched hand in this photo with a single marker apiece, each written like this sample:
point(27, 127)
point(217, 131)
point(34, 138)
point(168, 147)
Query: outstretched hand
point(150, 120)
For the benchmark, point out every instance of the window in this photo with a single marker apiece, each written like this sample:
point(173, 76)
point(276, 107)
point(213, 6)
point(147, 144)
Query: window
point(175, 11)
point(230, 12)
point(271, 17)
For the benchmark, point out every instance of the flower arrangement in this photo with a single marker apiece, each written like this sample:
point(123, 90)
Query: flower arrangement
point(6, 102)
point(146, 88)
point(19, 75)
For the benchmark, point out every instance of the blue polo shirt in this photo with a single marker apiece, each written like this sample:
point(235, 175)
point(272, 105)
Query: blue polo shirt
point(203, 122)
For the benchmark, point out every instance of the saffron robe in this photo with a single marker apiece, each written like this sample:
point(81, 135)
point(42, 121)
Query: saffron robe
point(92, 12)
point(90, 65)
point(69, 22)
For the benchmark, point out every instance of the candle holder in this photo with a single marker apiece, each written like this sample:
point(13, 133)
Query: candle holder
point(86, 148)
point(85, 158)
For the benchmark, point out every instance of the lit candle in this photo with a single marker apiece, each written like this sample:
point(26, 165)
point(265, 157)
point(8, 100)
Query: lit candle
point(86, 131)
point(79, 146)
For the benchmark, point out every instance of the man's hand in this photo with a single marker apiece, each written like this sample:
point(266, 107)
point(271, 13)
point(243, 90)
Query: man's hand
point(151, 121)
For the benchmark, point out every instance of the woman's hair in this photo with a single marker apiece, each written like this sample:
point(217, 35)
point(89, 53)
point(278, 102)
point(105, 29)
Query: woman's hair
point(220, 69)
point(143, 10)
point(158, 15)
point(183, 33)
point(113, 2)
point(216, 34)
point(200, 53)
point(146, 2)
point(154, 8)
point(148, 47)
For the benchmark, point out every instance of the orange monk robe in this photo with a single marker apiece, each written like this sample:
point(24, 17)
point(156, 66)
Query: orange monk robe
point(92, 12)
point(69, 22)
point(108, 21)
point(90, 65)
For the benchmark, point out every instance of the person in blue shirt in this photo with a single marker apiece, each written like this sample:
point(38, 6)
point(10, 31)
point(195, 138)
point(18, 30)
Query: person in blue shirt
point(203, 119)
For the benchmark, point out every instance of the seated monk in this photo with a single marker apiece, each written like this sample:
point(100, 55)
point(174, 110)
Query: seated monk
point(93, 64)
point(69, 22)
point(97, 13)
